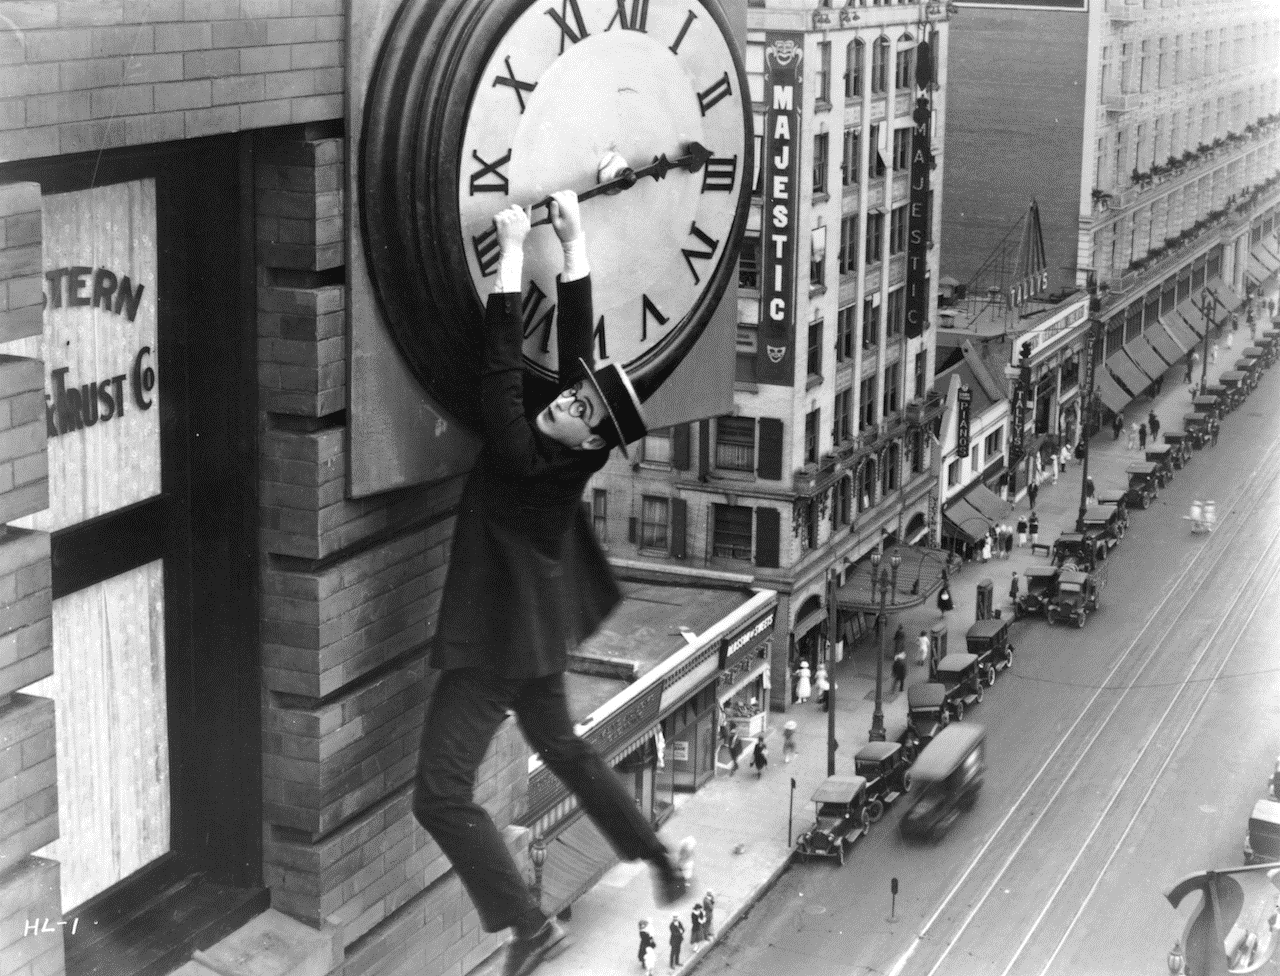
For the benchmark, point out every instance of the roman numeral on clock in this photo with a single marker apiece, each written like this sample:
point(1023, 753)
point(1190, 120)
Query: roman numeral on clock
point(690, 254)
point(535, 318)
point(514, 83)
point(647, 309)
point(498, 184)
point(638, 19)
point(718, 174)
point(689, 18)
point(602, 350)
point(487, 250)
point(561, 17)
point(708, 99)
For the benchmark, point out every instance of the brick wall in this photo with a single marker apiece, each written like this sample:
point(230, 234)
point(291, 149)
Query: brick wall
point(350, 589)
point(84, 75)
point(30, 890)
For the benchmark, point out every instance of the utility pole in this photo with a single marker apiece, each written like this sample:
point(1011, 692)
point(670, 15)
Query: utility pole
point(833, 620)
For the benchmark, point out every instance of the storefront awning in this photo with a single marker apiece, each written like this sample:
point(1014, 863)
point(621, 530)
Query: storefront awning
point(1225, 294)
point(988, 503)
point(1109, 390)
point(1128, 373)
point(1191, 314)
point(968, 520)
point(1262, 264)
point(971, 531)
point(1146, 357)
point(1180, 330)
point(1164, 343)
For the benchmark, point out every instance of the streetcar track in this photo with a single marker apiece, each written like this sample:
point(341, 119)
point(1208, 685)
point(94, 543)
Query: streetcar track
point(1250, 484)
point(1155, 780)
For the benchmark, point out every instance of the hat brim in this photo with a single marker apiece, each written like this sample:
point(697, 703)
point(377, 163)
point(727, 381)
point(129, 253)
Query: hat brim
point(613, 418)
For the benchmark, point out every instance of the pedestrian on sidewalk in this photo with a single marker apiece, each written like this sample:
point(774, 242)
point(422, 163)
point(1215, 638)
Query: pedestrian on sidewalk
point(822, 688)
point(1033, 526)
point(804, 687)
point(1064, 456)
point(1013, 588)
point(1008, 541)
point(789, 741)
point(677, 940)
point(1033, 492)
point(1214, 428)
point(760, 756)
point(650, 959)
point(709, 906)
point(1142, 437)
point(1187, 375)
point(1022, 531)
point(696, 919)
point(1132, 442)
point(735, 749)
point(1153, 422)
point(900, 641)
point(1088, 489)
point(900, 670)
point(944, 600)
point(1213, 354)
point(1235, 325)
point(647, 942)
point(1117, 422)
point(986, 547)
point(922, 649)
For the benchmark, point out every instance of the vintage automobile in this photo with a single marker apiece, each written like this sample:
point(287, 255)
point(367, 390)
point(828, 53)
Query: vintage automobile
point(1262, 839)
point(962, 676)
point(1270, 345)
point(1041, 581)
point(1115, 498)
point(1085, 550)
point(1256, 353)
point(842, 817)
point(886, 766)
point(989, 641)
point(1207, 404)
point(927, 713)
point(1226, 403)
point(945, 780)
point(1179, 447)
point(1077, 595)
point(1234, 380)
point(1252, 368)
point(1162, 456)
point(1107, 522)
point(1196, 426)
point(1144, 484)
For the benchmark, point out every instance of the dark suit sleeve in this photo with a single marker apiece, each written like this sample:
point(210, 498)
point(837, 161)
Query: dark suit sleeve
point(508, 434)
point(573, 329)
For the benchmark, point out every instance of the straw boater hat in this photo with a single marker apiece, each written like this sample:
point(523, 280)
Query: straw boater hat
point(620, 401)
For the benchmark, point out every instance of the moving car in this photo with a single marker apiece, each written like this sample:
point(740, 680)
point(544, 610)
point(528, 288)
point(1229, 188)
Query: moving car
point(842, 817)
point(886, 766)
point(946, 779)
point(1144, 483)
point(1077, 595)
point(927, 712)
point(1040, 585)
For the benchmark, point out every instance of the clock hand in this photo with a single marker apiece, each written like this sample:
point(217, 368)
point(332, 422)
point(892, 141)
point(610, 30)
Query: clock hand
point(694, 158)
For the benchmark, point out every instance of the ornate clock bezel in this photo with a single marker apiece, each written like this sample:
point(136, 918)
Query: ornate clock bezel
point(417, 106)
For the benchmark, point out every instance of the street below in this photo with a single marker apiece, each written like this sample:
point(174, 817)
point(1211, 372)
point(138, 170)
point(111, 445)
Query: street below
point(1120, 757)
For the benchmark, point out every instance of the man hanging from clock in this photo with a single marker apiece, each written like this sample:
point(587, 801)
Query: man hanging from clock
point(528, 582)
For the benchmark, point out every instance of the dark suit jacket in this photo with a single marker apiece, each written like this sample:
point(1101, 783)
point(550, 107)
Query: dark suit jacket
point(527, 580)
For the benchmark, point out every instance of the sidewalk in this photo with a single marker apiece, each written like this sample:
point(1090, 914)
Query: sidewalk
point(740, 821)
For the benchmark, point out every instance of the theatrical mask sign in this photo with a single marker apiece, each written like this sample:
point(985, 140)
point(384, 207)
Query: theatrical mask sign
point(477, 106)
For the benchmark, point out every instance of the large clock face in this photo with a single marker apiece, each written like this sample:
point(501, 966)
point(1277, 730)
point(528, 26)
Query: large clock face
point(569, 82)
point(477, 105)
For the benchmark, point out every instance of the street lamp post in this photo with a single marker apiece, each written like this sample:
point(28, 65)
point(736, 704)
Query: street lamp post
point(887, 584)
point(1086, 407)
point(833, 621)
point(538, 855)
point(1204, 358)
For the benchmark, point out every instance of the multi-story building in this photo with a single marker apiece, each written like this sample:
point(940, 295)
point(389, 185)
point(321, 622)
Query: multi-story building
point(829, 449)
point(1149, 133)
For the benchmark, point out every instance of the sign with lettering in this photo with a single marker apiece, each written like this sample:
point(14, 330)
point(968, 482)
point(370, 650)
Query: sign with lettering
point(99, 345)
point(918, 204)
point(783, 58)
point(963, 399)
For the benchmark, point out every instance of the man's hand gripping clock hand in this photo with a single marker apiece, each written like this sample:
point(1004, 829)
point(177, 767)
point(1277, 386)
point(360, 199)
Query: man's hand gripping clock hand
point(566, 220)
point(512, 225)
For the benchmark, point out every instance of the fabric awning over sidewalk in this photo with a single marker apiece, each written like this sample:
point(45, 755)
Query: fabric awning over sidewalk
point(1164, 343)
point(988, 503)
point(1262, 263)
point(964, 521)
point(1225, 294)
point(1109, 390)
point(1127, 371)
point(1179, 329)
point(1191, 314)
point(1146, 357)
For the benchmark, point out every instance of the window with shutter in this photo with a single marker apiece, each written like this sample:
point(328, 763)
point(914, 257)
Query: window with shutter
point(768, 537)
point(736, 443)
point(769, 465)
point(731, 532)
point(655, 523)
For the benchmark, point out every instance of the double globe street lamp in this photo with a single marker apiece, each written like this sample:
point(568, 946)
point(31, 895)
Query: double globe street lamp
point(887, 584)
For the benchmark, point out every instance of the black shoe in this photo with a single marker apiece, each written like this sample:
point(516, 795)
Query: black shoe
point(526, 955)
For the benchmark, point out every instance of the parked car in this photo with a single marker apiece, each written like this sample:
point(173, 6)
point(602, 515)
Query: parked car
point(1208, 404)
point(946, 779)
point(1181, 445)
point(1082, 550)
point(1234, 380)
point(841, 818)
point(1252, 368)
point(1144, 484)
point(989, 641)
point(927, 713)
point(1041, 582)
point(1162, 456)
point(886, 766)
point(1196, 426)
point(1077, 595)
point(961, 675)
point(1223, 394)
point(1262, 839)
point(1106, 522)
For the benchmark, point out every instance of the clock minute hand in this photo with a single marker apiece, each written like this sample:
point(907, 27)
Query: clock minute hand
point(694, 158)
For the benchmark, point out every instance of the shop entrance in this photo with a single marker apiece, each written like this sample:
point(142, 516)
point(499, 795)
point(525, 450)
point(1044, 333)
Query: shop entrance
point(689, 756)
point(153, 514)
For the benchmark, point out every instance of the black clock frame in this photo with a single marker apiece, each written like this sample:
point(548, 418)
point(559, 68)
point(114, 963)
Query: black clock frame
point(409, 171)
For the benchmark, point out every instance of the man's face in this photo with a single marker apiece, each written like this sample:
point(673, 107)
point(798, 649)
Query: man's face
point(570, 416)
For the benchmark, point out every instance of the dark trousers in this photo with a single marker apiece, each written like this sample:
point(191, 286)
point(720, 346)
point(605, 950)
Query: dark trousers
point(675, 954)
point(465, 711)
